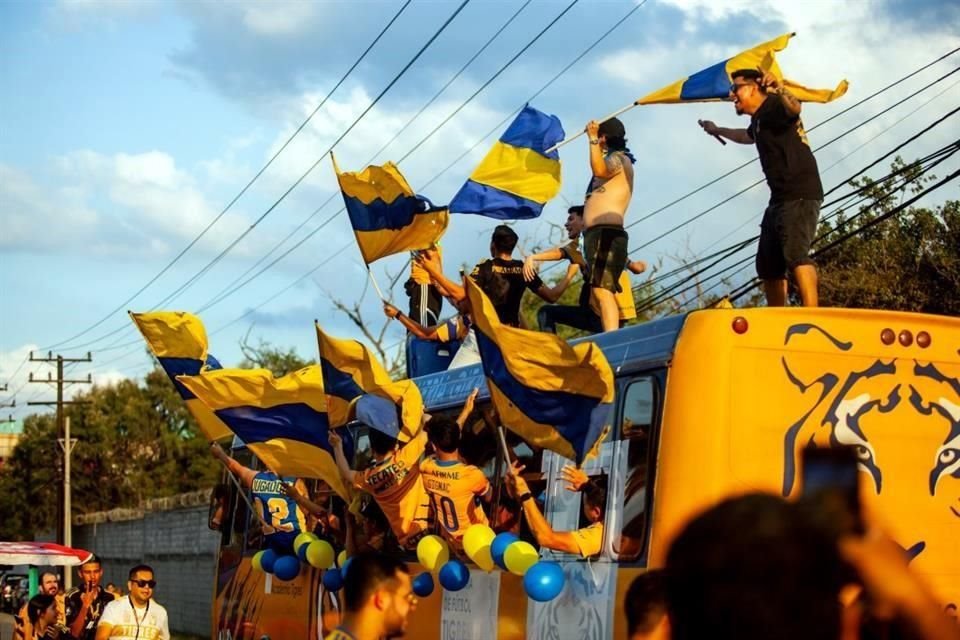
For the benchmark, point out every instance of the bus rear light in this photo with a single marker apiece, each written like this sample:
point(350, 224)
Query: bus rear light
point(887, 336)
point(923, 339)
point(740, 325)
point(906, 338)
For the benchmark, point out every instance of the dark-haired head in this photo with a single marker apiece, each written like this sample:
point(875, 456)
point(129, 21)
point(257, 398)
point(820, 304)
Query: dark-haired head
point(381, 443)
point(137, 569)
point(38, 606)
point(444, 433)
point(503, 240)
point(753, 567)
point(614, 134)
point(595, 498)
point(576, 210)
point(753, 75)
point(382, 584)
point(645, 603)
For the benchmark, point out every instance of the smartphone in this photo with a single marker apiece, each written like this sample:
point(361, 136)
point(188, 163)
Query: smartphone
point(831, 489)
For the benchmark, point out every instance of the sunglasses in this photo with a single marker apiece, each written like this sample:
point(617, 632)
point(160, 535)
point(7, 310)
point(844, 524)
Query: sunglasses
point(145, 583)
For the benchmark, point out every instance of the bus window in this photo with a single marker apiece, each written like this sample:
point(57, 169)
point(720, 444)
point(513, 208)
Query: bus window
point(636, 428)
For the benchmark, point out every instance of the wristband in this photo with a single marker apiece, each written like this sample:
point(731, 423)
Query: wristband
point(594, 140)
point(525, 497)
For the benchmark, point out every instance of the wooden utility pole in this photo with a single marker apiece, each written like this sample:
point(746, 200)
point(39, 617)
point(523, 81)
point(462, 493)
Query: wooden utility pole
point(67, 447)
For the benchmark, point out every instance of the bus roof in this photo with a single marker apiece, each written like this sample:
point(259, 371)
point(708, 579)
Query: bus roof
point(635, 347)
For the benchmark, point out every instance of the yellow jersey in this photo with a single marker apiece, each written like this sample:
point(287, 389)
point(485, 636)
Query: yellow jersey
point(396, 484)
point(455, 490)
point(338, 634)
point(589, 539)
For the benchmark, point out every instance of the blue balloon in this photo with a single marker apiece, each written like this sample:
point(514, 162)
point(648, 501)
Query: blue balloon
point(345, 567)
point(302, 551)
point(499, 547)
point(423, 584)
point(454, 575)
point(286, 568)
point(544, 581)
point(268, 559)
point(332, 580)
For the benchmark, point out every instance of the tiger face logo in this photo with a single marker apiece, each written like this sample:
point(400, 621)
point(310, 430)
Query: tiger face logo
point(902, 416)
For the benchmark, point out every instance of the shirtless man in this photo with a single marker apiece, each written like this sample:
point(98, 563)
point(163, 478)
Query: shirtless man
point(607, 199)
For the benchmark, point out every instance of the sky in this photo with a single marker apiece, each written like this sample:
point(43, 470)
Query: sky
point(129, 126)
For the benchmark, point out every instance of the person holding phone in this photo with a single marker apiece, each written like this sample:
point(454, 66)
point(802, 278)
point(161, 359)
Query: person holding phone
point(84, 604)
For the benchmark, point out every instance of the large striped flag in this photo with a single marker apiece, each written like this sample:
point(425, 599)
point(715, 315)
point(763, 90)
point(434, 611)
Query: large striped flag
point(555, 395)
point(518, 176)
point(350, 371)
point(386, 215)
point(713, 83)
point(178, 340)
point(283, 421)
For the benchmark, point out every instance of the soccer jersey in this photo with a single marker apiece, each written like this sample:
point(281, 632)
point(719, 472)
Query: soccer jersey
point(455, 489)
point(284, 519)
point(338, 634)
point(73, 605)
point(453, 329)
point(589, 539)
point(395, 483)
point(128, 622)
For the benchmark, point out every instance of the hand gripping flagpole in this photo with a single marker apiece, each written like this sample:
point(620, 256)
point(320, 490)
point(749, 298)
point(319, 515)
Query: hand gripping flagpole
point(612, 115)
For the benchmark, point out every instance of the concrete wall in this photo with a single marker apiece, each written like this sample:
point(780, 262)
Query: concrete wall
point(174, 540)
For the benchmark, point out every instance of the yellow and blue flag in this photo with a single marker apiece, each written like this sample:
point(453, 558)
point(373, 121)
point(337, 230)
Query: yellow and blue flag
point(518, 176)
point(386, 215)
point(350, 371)
point(713, 83)
point(283, 421)
point(178, 340)
point(556, 395)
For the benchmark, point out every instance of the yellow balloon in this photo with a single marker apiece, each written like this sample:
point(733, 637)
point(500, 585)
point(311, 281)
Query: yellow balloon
point(519, 557)
point(320, 554)
point(306, 536)
point(341, 558)
point(255, 561)
point(476, 544)
point(433, 552)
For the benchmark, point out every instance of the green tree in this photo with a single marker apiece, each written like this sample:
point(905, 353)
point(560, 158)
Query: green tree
point(910, 262)
point(266, 356)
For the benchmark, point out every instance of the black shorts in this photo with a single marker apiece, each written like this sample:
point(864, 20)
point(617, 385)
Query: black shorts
point(786, 234)
point(606, 249)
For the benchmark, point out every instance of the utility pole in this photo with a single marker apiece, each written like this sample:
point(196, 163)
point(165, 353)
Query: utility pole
point(63, 507)
point(10, 404)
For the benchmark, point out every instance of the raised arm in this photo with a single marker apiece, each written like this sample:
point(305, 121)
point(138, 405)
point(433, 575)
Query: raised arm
point(545, 535)
point(432, 267)
point(531, 264)
point(467, 408)
point(245, 474)
point(774, 87)
point(298, 496)
point(336, 443)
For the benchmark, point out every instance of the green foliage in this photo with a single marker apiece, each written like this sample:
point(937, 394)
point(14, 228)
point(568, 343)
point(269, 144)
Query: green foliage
point(135, 441)
point(910, 262)
point(266, 356)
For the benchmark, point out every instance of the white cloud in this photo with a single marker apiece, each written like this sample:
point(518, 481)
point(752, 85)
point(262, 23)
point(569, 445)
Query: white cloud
point(278, 18)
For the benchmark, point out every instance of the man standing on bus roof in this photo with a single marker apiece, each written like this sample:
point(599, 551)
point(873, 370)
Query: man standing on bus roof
point(282, 520)
point(789, 224)
point(587, 541)
point(456, 489)
point(607, 199)
point(394, 479)
point(378, 599)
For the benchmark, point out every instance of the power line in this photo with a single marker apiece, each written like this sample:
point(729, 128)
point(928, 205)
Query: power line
point(193, 279)
point(193, 242)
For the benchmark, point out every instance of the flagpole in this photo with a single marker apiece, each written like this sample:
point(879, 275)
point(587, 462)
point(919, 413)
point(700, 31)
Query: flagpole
point(575, 136)
point(375, 285)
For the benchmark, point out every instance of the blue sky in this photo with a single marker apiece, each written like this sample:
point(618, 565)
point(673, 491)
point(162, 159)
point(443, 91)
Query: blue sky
point(128, 126)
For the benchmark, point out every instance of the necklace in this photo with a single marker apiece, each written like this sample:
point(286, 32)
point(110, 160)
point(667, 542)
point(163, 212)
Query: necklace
point(137, 617)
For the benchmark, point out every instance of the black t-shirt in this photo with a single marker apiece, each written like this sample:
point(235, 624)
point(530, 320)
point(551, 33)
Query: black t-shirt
point(502, 281)
point(73, 604)
point(785, 154)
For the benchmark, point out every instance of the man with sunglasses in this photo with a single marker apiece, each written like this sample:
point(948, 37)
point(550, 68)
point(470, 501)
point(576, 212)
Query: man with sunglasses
point(138, 616)
point(790, 221)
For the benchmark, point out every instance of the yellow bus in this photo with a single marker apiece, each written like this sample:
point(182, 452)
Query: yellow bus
point(709, 404)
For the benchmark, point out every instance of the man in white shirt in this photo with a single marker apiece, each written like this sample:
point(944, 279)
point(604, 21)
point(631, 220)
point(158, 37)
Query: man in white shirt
point(136, 617)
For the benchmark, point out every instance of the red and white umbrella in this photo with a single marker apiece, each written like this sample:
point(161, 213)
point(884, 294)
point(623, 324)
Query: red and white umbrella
point(41, 553)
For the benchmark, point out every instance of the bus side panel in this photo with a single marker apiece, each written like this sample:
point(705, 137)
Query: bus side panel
point(242, 610)
point(741, 407)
